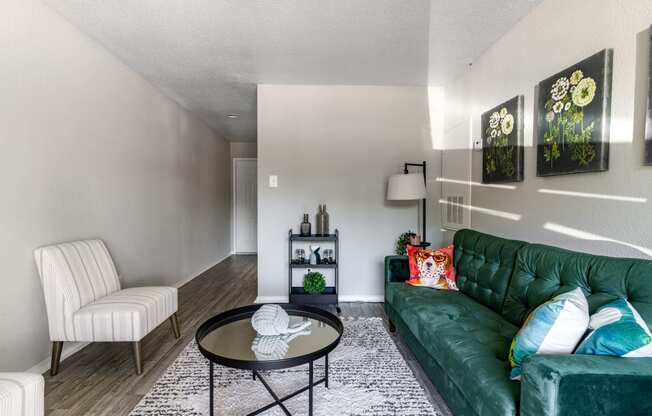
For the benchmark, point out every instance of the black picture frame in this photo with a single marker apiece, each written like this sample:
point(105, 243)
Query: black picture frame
point(648, 124)
point(502, 142)
point(574, 117)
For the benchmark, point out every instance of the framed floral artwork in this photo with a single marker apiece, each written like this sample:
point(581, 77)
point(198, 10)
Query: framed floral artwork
point(502, 142)
point(574, 112)
point(648, 124)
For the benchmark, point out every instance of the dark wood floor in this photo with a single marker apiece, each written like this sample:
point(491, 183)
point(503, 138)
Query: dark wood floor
point(100, 379)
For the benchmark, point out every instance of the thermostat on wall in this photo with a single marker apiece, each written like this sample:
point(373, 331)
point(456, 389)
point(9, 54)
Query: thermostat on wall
point(477, 144)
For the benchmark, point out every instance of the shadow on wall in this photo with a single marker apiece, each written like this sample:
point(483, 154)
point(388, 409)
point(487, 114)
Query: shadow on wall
point(603, 213)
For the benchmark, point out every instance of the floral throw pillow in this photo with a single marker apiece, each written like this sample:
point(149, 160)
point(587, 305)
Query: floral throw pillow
point(432, 268)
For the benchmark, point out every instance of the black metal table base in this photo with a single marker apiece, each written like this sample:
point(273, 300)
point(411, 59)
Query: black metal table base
point(278, 401)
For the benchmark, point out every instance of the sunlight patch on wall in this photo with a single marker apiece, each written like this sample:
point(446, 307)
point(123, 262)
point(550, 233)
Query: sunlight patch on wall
point(472, 183)
point(487, 211)
point(584, 235)
point(436, 108)
point(592, 195)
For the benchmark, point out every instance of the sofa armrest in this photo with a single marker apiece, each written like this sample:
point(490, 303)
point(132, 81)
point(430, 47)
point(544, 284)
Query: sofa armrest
point(397, 269)
point(560, 385)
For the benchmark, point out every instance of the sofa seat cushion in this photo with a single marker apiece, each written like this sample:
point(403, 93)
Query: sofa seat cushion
point(469, 340)
point(126, 315)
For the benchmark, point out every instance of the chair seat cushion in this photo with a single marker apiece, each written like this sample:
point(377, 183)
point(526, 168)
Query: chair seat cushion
point(468, 339)
point(126, 315)
point(21, 394)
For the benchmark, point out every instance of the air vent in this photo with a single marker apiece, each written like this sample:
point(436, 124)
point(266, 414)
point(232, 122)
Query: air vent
point(455, 210)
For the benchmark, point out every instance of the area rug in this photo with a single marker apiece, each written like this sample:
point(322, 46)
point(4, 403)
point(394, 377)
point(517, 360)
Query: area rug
point(368, 376)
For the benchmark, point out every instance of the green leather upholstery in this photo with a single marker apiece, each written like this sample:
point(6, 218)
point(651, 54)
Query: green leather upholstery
point(567, 385)
point(543, 272)
point(462, 339)
point(397, 269)
point(483, 265)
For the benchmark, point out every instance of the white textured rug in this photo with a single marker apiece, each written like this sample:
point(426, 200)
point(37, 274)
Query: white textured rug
point(368, 376)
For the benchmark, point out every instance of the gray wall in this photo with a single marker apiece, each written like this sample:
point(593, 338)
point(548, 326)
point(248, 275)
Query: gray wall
point(338, 145)
point(557, 34)
point(89, 149)
point(244, 149)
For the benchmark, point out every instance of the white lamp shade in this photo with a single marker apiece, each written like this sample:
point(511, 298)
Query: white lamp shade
point(406, 186)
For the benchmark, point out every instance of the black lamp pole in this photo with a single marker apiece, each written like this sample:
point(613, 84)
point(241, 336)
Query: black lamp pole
point(424, 243)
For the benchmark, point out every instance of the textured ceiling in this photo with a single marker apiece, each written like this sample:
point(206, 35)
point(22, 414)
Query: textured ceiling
point(209, 54)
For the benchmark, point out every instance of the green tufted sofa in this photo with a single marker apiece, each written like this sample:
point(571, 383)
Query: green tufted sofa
point(462, 338)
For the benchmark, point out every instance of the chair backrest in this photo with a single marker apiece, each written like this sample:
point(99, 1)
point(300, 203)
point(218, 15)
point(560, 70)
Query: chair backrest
point(73, 274)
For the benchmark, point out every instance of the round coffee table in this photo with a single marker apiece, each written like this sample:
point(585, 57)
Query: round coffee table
point(227, 339)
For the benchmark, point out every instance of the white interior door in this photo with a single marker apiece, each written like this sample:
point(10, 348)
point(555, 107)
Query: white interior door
point(245, 205)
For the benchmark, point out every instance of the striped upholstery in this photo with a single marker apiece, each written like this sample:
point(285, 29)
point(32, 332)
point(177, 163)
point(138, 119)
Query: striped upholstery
point(83, 297)
point(21, 394)
point(126, 315)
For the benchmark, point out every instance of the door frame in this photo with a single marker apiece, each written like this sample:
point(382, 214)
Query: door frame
point(234, 161)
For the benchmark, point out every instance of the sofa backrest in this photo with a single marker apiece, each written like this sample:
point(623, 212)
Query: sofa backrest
point(484, 265)
point(543, 272)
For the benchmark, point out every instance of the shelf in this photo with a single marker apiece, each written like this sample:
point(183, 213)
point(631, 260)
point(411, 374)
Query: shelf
point(299, 296)
point(299, 237)
point(312, 266)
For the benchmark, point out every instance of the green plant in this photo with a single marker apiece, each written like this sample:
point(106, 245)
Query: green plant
point(402, 241)
point(314, 283)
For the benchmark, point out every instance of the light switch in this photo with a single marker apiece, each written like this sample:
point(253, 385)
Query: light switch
point(273, 181)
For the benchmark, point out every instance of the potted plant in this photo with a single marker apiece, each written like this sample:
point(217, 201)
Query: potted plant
point(314, 283)
point(402, 241)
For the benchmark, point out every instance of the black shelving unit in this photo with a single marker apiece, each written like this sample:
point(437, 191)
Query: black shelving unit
point(330, 295)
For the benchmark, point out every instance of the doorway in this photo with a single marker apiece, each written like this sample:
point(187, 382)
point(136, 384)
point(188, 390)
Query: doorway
point(245, 212)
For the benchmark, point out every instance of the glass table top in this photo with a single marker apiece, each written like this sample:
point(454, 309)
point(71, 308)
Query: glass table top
point(237, 340)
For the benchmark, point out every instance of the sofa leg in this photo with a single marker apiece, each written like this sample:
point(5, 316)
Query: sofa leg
point(392, 328)
point(174, 321)
point(57, 346)
point(138, 356)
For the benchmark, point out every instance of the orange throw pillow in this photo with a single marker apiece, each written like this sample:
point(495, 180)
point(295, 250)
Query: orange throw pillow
point(432, 268)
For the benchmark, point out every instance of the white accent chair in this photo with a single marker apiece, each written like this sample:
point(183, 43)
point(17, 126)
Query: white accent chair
point(21, 394)
point(85, 302)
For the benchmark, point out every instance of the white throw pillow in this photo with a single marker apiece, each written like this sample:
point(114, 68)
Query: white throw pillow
point(554, 327)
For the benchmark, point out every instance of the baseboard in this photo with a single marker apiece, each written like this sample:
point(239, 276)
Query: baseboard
point(271, 299)
point(69, 348)
point(346, 298)
point(204, 269)
point(362, 298)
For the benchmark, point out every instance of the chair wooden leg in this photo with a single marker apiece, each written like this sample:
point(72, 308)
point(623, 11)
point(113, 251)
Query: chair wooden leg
point(138, 356)
point(57, 346)
point(392, 327)
point(174, 321)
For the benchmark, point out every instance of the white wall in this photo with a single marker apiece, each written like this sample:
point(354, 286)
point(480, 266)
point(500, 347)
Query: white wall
point(89, 149)
point(555, 35)
point(244, 149)
point(338, 145)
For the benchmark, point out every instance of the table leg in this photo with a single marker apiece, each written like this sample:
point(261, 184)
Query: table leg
point(310, 375)
point(210, 388)
point(253, 375)
point(326, 371)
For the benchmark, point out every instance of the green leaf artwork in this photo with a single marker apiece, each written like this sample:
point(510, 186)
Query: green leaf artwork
point(502, 128)
point(573, 113)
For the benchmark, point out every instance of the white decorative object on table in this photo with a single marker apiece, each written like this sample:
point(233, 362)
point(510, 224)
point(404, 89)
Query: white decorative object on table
point(272, 320)
point(274, 347)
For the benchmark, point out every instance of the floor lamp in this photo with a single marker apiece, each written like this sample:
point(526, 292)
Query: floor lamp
point(408, 186)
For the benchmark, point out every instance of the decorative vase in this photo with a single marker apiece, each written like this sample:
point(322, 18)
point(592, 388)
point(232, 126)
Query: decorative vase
point(315, 257)
point(321, 220)
point(305, 226)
